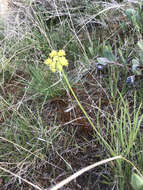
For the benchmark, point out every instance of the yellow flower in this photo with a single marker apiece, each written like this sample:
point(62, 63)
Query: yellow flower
point(59, 67)
point(53, 53)
point(48, 61)
point(63, 61)
point(61, 53)
point(53, 67)
point(56, 60)
point(53, 70)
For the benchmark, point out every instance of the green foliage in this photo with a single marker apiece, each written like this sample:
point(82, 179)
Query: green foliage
point(136, 17)
point(140, 44)
point(137, 63)
point(136, 182)
point(44, 83)
point(123, 60)
point(108, 58)
point(108, 53)
point(135, 67)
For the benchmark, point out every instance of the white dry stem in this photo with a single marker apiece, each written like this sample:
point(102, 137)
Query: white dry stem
point(80, 172)
point(3, 8)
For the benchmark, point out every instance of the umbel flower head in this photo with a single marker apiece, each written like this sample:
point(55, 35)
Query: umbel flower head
point(56, 60)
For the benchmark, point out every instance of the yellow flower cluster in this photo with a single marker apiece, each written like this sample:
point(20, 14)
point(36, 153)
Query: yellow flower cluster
point(56, 60)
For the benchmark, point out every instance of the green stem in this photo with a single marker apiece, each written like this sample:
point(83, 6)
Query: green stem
point(86, 115)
